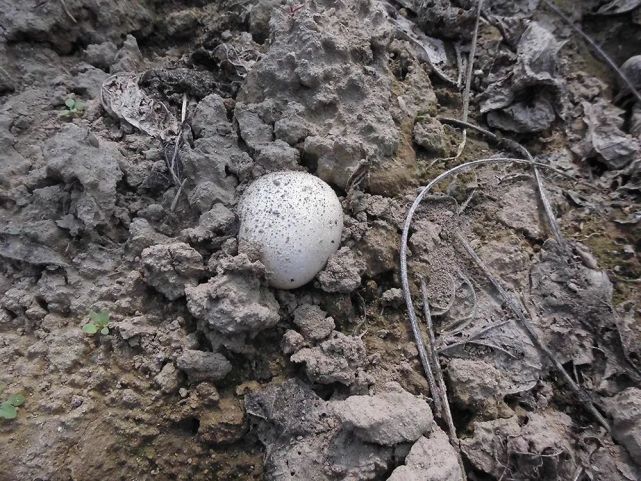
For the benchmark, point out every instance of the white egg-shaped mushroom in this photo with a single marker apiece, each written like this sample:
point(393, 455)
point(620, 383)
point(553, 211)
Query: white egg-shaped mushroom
point(295, 221)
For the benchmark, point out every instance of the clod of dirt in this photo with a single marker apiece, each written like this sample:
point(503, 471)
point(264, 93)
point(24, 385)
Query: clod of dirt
point(295, 221)
point(168, 379)
point(292, 341)
point(625, 409)
point(142, 235)
point(74, 155)
point(101, 55)
point(430, 459)
point(539, 449)
point(313, 324)
point(128, 58)
point(379, 248)
point(430, 134)
point(519, 211)
point(305, 438)
point(342, 273)
point(33, 243)
point(170, 267)
point(331, 81)
point(218, 221)
point(387, 418)
point(632, 70)
point(210, 118)
point(224, 425)
point(50, 22)
point(392, 297)
point(338, 359)
point(475, 386)
point(203, 366)
point(134, 329)
point(208, 166)
point(236, 300)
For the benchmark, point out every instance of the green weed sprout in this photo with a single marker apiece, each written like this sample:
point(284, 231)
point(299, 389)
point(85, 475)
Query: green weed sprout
point(9, 408)
point(75, 108)
point(99, 323)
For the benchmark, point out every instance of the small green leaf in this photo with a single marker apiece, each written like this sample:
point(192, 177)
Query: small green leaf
point(70, 103)
point(7, 411)
point(16, 400)
point(104, 331)
point(80, 106)
point(101, 317)
point(90, 328)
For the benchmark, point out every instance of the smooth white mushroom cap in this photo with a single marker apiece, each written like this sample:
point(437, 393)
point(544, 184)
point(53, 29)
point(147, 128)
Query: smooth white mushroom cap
point(295, 221)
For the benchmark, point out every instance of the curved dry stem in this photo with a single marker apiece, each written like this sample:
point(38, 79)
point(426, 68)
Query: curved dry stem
point(513, 145)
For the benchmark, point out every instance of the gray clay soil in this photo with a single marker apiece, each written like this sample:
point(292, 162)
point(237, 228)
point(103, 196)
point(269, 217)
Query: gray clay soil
point(207, 373)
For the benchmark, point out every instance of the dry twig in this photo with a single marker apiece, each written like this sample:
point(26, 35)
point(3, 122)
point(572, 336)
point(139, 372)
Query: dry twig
point(469, 74)
point(440, 382)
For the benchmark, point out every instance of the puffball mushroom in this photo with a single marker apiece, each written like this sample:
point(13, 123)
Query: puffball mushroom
point(295, 221)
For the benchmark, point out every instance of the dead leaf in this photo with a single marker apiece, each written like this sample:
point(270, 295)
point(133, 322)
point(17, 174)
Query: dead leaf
point(123, 98)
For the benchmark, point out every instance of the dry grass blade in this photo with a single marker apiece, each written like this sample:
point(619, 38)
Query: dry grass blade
point(174, 164)
point(67, 12)
point(519, 311)
point(440, 382)
point(470, 64)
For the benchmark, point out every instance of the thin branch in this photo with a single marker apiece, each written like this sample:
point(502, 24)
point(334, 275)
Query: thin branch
point(519, 311)
point(442, 389)
point(442, 342)
point(174, 203)
point(418, 338)
point(468, 81)
point(470, 63)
